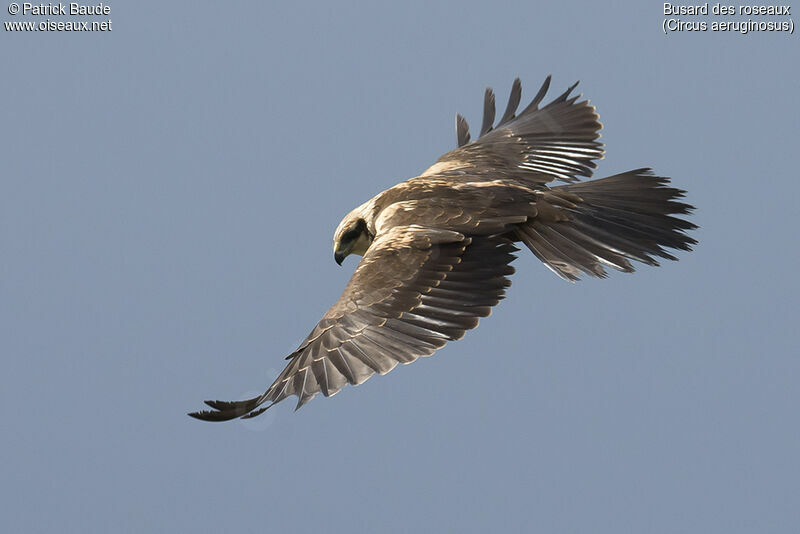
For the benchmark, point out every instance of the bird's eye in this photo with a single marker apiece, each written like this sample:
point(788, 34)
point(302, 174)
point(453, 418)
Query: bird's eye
point(350, 235)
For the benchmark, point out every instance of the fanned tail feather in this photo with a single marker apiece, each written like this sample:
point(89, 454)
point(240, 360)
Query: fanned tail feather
point(588, 226)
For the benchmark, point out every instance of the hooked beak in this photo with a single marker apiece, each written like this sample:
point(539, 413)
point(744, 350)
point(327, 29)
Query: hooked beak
point(338, 257)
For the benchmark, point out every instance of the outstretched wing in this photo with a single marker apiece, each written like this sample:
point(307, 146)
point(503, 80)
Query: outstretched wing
point(554, 142)
point(415, 289)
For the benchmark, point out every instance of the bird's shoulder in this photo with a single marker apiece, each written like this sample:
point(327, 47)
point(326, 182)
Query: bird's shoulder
point(462, 205)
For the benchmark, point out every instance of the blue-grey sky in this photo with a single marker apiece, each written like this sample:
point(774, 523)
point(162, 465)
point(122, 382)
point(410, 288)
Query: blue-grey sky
point(168, 194)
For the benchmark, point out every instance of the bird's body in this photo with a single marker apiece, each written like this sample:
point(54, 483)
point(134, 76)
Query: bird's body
point(437, 248)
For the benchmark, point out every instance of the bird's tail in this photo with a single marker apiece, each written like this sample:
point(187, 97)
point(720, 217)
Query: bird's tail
point(586, 226)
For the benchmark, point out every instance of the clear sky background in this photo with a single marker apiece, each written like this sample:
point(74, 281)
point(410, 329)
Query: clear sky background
point(168, 195)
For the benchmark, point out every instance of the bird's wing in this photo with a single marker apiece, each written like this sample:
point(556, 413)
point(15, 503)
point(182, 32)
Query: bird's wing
point(555, 142)
point(415, 289)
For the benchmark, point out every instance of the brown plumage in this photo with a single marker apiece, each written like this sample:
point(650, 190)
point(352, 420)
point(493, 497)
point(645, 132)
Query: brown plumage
point(437, 249)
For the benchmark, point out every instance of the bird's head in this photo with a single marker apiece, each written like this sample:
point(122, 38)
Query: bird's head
point(351, 237)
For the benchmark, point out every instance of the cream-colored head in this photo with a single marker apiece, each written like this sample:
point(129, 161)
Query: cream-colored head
point(352, 236)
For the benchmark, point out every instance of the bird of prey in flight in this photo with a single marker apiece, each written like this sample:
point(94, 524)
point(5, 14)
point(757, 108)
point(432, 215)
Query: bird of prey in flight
point(437, 249)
